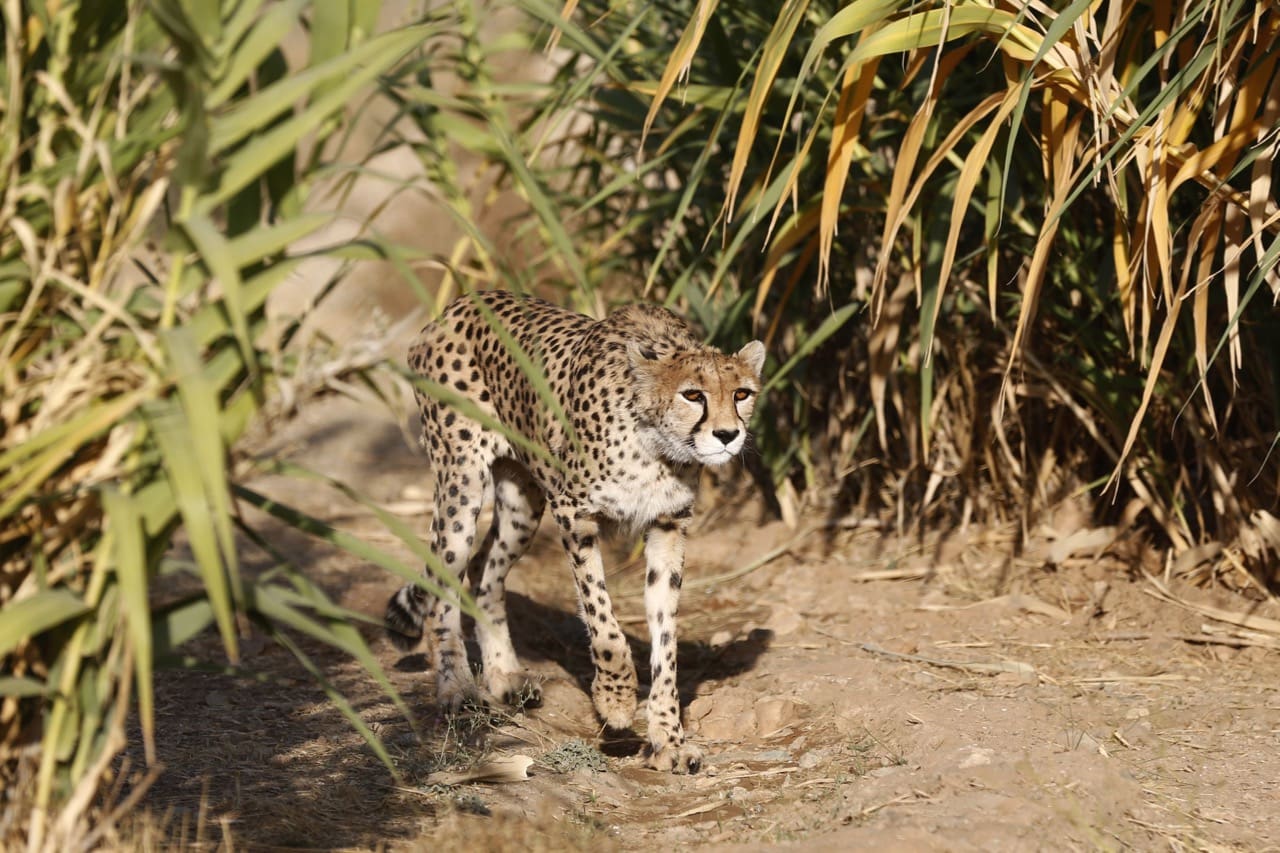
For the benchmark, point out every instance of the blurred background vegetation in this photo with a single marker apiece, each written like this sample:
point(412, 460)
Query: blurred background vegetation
point(1007, 258)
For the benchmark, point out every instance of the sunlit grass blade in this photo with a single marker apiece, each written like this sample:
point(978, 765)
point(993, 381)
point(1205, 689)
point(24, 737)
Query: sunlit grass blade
point(263, 35)
point(392, 523)
point(333, 625)
point(132, 569)
point(548, 216)
point(283, 615)
point(775, 49)
point(359, 68)
point(37, 613)
point(261, 243)
point(535, 374)
point(178, 622)
point(31, 463)
point(189, 494)
point(200, 406)
point(828, 327)
point(438, 583)
point(855, 91)
point(467, 407)
point(678, 65)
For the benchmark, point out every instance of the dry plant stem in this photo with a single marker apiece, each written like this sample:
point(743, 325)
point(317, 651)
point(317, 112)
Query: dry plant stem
point(1016, 667)
point(1244, 620)
point(125, 806)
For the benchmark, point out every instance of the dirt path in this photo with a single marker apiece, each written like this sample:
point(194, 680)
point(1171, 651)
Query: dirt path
point(852, 693)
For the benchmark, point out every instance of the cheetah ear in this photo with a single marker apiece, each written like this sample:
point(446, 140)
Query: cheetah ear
point(753, 354)
point(640, 356)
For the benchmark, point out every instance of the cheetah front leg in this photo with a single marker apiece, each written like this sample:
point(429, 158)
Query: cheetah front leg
point(459, 494)
point(664, 554)
point(613, 690)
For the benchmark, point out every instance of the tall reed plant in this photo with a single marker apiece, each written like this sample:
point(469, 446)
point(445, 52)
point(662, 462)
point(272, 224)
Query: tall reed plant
point(1005, 254)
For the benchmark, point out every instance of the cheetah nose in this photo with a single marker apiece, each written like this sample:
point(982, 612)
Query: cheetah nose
point(725, 435)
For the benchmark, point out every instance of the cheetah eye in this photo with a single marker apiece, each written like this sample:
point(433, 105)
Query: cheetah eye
point(742, 394)
point(693, 396)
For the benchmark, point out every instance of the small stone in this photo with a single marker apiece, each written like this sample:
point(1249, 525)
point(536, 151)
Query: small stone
point(978, 757)
point(1138, 734)
point(775, 713)
point(784, 620)
point(813, 758)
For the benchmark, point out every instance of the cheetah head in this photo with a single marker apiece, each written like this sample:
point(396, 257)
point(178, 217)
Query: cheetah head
point(698, 401)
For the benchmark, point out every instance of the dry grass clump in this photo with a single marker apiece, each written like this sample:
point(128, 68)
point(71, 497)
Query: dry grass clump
point(130, 368)
point(1005, 255)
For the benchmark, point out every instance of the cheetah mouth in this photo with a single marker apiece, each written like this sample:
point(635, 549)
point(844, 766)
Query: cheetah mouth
point(718, 457)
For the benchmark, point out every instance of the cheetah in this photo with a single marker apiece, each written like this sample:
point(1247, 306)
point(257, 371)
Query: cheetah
point(637, 404)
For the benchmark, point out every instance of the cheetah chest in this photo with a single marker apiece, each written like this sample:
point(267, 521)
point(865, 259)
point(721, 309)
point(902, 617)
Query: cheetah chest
point(641, 488)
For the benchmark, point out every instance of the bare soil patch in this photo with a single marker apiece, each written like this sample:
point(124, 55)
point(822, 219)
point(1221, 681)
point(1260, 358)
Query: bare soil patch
point(855, 691)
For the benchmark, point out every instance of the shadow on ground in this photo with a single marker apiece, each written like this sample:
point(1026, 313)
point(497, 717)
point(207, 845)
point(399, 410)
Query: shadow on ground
point(268, 750)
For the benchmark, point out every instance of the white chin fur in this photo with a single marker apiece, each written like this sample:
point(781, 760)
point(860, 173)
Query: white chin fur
point(719, 454)
point(716, 458)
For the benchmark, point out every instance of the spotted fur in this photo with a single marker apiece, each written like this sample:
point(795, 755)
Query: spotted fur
point(647, 403)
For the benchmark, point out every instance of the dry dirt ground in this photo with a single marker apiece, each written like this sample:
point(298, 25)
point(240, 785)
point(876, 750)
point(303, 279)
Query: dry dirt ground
point(852, 690)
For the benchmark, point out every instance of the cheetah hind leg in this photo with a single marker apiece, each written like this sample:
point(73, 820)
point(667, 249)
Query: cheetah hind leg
point(460, 491)
point(517, 509)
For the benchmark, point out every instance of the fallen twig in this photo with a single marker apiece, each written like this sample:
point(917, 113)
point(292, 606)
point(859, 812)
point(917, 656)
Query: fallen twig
point(510, 768)
point(1162, 678)
point(1016, 667)
point(764, 560)
point(1244, 620)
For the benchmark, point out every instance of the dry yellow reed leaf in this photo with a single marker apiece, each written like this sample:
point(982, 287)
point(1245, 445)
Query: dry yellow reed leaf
point(678, 64)
point(1036, 270)
point(775, 50)
point(1204, 240)
point(566, 12)
point(793, 232)
point(855, 92)
point(882, 349)
point(970, 171)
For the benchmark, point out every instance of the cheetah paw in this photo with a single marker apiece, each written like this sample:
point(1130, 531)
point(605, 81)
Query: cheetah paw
point(454, 693)
point(674, 758)
point(514, 689)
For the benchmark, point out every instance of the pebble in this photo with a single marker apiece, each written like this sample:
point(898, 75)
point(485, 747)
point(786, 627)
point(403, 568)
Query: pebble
point(978, 757)
point(813, 758)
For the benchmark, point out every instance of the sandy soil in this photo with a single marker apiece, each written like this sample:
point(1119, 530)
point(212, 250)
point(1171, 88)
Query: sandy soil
point(852, 690)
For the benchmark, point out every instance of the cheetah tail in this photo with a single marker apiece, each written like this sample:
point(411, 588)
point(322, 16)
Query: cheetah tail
point(406, 615)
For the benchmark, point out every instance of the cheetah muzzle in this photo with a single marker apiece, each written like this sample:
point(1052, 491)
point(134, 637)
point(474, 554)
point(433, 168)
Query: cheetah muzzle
point(636, 404)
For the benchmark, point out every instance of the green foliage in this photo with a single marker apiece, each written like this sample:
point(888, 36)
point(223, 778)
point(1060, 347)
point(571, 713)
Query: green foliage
point(130, 368)
point(974, 226)
point(980, 222)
